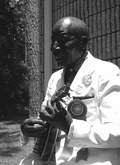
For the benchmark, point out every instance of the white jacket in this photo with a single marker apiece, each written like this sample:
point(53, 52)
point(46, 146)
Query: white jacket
point(100, 133)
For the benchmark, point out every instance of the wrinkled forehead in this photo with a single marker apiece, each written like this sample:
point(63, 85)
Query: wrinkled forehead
point(70, 26)
point(62, 27)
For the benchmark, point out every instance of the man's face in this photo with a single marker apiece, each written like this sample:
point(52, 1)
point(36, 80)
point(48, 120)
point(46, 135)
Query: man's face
point(63, 48)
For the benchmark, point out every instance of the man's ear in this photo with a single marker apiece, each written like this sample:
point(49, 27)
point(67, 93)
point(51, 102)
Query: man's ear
point(83, 42)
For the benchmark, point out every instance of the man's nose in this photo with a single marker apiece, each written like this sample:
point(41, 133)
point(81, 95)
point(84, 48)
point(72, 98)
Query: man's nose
point(56, 46)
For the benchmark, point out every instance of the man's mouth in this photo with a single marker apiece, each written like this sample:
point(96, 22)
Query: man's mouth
point(58, 56)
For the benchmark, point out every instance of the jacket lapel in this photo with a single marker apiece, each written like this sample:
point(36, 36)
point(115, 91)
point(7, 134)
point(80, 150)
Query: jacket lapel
point(83, 78)
point(60, 79)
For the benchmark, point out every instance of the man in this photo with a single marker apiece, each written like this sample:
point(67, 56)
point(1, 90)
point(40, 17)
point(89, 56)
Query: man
point(81, 107)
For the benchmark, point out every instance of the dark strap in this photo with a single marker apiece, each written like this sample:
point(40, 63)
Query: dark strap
point(45, 145)
point(82, 154)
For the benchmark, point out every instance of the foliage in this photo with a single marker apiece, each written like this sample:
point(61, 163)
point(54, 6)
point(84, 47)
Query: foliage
point(14, 95)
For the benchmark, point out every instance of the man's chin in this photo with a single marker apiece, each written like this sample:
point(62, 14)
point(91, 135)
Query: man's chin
point(62, 64)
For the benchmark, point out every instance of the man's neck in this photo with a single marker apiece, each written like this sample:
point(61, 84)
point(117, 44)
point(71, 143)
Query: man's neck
point(79, 63)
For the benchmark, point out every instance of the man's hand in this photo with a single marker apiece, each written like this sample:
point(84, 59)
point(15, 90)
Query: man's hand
point(57, 116)
point(33, 127)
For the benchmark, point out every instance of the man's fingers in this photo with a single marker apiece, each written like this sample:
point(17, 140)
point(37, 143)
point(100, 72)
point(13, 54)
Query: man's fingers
point(34, 127)
point(35, 130)
point(61, 108)
point(58, 106)
point(33, 121)
point(46, 116)
point(50, 108)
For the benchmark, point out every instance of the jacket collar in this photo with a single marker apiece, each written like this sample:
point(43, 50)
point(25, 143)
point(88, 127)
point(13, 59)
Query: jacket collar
point(83, 77)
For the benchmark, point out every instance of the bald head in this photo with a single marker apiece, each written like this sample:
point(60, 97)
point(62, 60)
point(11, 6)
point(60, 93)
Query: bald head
point(71, 25)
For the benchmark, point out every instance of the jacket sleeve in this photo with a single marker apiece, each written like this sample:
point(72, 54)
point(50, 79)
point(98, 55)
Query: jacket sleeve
point(105, 133)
